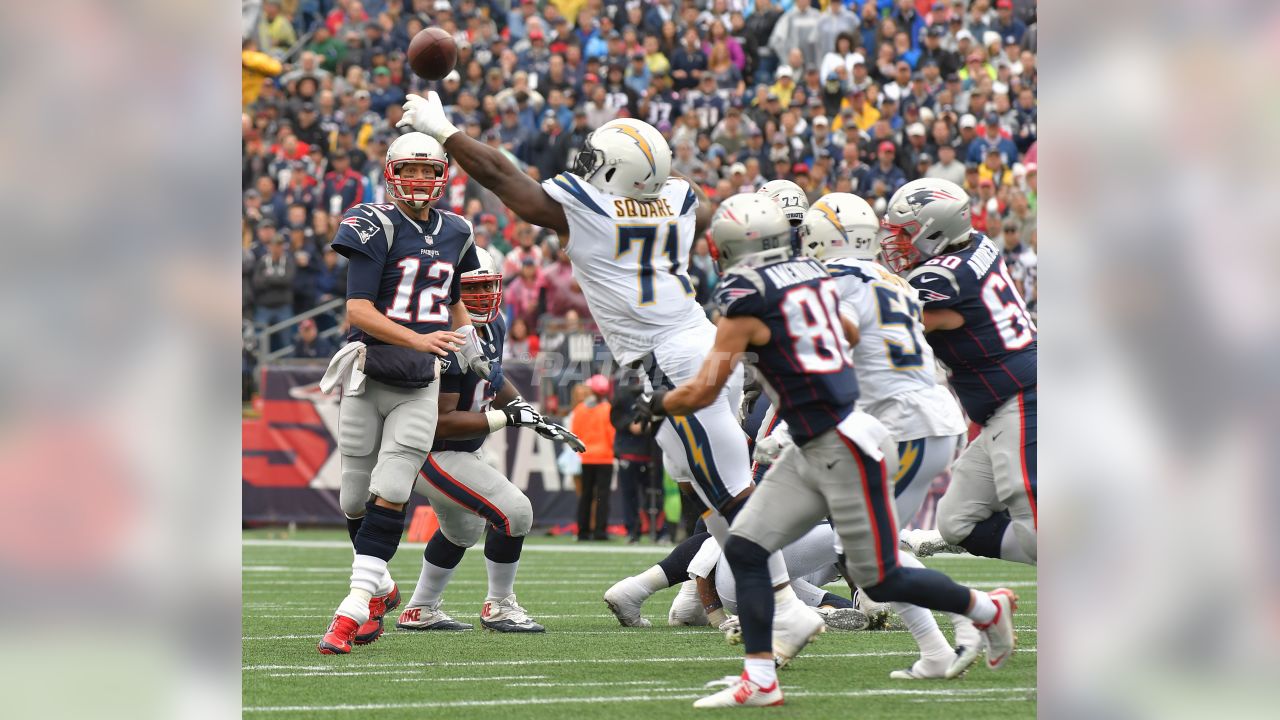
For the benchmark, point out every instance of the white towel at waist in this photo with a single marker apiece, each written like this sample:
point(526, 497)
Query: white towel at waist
point(347, 367)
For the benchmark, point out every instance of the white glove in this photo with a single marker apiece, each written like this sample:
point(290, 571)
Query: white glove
point(472, 353)
point(426, 115)
point(768, 449)
point(732, 630)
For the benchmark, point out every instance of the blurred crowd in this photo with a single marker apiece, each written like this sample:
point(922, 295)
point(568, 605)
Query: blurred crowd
point(857, 96)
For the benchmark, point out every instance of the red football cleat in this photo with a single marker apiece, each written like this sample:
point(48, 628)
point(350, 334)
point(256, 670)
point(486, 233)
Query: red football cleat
point(379, 605)
point(337, 639)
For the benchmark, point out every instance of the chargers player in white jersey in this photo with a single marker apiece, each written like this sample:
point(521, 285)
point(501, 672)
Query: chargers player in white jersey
point(895, 369)
point(630, 226)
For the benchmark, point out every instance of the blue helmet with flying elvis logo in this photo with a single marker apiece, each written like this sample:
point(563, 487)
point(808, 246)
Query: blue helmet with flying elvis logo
point(923, 219)
point(839, 225)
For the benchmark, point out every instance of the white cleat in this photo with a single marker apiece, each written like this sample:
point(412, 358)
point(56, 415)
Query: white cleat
point(843, 618)
point(428, 617)
point(624, 600)
point(879, 614)
point(793, 630)
point(923, 543)
point(507, 616)
point(934, 668)
point(968, 645)
point(686, 608)
point(998, 635)
point(741, 692)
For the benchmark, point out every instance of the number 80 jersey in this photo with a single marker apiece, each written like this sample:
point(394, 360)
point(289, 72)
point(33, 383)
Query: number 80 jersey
point(631, 259)
point(992, 357)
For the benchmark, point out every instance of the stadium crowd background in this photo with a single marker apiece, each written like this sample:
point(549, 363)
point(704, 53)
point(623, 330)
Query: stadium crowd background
point(859, 96)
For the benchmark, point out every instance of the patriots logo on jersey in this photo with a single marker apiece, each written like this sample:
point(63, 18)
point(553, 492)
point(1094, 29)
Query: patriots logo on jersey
point(728, 296)
point(929, 296)
point(364, 227)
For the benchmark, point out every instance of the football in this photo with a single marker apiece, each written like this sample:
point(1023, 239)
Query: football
point(432, 53)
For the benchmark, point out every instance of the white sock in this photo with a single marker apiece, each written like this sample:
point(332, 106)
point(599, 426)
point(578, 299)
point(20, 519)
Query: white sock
point(924, 628)
point(502, 578)
point(784, 597)
point(356, 606)
point(762, 672)
point(367, 572)
point(984, 608)
point(966, 633)
point(1011, 549)
point(778, 569)
point(431, 583)
point(653, 579)
point(384, 587)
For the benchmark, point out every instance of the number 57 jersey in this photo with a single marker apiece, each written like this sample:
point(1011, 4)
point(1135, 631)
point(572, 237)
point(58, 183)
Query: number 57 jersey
point(630, 258)
point(992, 357)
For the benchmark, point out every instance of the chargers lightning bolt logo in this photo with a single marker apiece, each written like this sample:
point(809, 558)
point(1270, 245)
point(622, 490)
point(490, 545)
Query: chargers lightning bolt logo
point(697, 455)
point(641, 143)
point(829, 213)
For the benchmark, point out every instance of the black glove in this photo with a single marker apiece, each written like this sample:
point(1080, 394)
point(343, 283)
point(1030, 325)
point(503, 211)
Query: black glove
point(521, 414)
point(648, 410)
point(751, 388)
point(553, 431)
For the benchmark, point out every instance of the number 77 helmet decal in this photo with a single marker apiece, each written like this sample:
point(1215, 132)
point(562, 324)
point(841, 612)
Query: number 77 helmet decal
point(924, 218)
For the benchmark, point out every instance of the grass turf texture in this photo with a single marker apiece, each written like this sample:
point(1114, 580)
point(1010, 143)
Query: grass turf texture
point(585, 664)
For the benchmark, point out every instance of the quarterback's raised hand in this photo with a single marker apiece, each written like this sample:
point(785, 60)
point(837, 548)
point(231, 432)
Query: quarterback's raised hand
point(553, 431)
point(427, 115)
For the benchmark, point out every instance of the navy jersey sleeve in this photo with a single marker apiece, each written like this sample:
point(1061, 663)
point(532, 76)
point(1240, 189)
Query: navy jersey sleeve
point(364, 276)
point(360, 232)
point(938, 287)
point(738, 295)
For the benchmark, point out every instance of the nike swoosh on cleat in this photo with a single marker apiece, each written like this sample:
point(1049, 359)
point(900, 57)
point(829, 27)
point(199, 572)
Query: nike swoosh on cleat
point(996, 436)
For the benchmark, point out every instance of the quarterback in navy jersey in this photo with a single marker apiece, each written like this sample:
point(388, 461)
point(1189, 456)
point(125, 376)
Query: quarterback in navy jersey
point(785, 310)
point(467, 494)
point(403, 305)
point(979, 327)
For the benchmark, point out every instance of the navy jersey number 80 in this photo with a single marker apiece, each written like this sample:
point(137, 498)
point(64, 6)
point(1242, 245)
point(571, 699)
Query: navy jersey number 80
point(808, 361)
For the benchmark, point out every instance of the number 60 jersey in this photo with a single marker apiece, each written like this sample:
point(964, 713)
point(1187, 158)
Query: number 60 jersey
point(630, 258)
point(992, 357)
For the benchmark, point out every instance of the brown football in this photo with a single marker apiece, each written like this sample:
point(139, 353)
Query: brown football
point(432, 53)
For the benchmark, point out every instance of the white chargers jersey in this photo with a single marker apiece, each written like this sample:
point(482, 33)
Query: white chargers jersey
point(631, 259)
point(893, 361)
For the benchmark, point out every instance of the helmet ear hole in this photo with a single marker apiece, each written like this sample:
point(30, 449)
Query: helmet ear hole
point(608, 176)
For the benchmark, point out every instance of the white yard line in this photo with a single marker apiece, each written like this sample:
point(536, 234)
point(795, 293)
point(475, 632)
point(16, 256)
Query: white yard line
point(435, 704)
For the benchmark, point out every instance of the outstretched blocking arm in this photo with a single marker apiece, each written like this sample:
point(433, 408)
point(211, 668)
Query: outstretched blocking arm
point(486, 165)
point(704, 212)
point(733, 335)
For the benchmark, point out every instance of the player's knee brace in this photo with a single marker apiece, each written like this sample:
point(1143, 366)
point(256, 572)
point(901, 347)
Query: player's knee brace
point(380, 532)
point(443, 553)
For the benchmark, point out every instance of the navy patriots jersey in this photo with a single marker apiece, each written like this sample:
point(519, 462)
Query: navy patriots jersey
point(807, 364)
point(992, 357)
point(422, 263)
point(474, 392)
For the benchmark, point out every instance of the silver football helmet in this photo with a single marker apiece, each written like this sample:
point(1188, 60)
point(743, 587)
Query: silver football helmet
point(839, 225)
point(625, 157)
point(790, 197)
point(923, 219)
point(413, 148)
point(750, 226)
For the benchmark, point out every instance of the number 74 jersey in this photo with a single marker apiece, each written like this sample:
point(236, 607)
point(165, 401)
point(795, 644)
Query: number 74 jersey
point(630, 259)
point(992, 357)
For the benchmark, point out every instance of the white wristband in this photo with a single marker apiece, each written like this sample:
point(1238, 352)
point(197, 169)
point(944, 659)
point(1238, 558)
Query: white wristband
point(717, 617)
point(497, 420)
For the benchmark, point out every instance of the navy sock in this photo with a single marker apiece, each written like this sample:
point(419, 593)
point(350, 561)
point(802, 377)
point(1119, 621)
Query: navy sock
point(918, 586)
point(442, 553)
point(750, 565)
point(502, 548)
point(353, 527)
point(379, 534)
point(676, 563)
point(986, 536)
point(835, 601)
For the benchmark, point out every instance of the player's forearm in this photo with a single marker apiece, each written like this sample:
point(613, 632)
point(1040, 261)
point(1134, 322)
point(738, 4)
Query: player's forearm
point(486, 165)
point(506, 394)
point(689, 398)
point(462, 425)
point(362, 314)
point(707, 593)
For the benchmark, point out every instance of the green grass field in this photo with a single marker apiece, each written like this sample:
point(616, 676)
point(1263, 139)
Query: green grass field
point(585, 665)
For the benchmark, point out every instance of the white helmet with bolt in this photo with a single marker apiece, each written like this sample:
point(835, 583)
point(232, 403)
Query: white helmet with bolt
point(839, 225)
point(790, 197)
point(750, 226)
point(625, 157)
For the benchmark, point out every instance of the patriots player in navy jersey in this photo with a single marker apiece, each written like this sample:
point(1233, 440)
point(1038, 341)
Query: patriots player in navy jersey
point(403, 306)
point(467, 494)
point(785, 310)
point(979, 327)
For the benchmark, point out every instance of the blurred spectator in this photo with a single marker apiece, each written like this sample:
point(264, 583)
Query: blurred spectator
point(633, 450)
point(563, 292)
point(343, 186)
point(991, 137)
point(592, 425)
point(526, 295)
point(275, 28)
point(255, 68)
point(947, 167)
point(521, 345)
point(273, 288)
point(885, 171)
point(525, 249)
point(308, 343)
point(797, 28)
